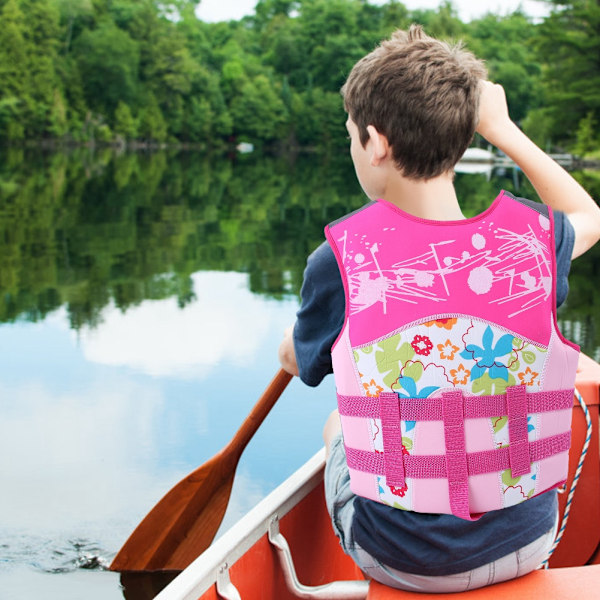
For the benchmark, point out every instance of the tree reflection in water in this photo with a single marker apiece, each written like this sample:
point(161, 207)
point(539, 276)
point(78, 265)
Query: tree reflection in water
point(84, 229)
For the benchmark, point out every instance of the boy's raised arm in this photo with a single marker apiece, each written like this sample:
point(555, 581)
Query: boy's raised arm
point(554, 185)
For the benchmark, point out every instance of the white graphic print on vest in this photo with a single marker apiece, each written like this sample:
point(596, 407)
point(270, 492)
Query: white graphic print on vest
point(520, 259)
point(449, 353)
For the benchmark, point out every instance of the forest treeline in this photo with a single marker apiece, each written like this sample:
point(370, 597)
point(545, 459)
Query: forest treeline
point(116, 71)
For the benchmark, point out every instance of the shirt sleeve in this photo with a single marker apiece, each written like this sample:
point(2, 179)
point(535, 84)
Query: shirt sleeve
point(564, 239)
point(321, 315)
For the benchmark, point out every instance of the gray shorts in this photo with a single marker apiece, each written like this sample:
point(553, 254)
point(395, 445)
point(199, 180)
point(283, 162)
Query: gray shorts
point(340, 504)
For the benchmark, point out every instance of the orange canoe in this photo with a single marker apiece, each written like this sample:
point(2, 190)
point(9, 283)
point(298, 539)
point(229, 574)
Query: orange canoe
point(285, 548)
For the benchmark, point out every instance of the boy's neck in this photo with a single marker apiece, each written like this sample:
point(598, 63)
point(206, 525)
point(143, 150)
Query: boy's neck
point(433, 199)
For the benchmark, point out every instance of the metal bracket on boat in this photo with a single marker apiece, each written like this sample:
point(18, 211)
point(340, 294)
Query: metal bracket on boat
point(337, 590)
point(225, 589)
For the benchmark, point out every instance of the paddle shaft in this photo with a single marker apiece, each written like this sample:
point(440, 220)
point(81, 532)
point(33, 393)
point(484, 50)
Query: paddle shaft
point(258, 413)
point(184, 522)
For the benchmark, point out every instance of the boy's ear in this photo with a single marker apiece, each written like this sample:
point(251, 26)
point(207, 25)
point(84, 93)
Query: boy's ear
point(380, 147)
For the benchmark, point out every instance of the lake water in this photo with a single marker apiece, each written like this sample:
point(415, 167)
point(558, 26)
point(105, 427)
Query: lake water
point(143, 300)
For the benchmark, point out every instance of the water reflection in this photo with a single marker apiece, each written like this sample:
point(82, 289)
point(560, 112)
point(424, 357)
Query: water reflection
point(226, 323)
point(98, 424)
point(83, 230)
point(90, 229)
point(144, 298)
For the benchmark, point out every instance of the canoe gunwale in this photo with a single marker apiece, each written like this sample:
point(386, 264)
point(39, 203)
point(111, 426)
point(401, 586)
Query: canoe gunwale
point(212, 564)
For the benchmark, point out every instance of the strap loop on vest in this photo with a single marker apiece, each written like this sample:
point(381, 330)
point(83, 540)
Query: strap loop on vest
point(430, 409)
point(433, 466)
point(518, 447)
point(456, 453)
point(389, 408)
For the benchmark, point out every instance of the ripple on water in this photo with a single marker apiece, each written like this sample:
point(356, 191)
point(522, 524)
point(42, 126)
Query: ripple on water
point(53, 555)
point(74, 559)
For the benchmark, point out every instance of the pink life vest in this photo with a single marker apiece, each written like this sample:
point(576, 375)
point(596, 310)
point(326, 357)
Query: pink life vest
point(454, 385)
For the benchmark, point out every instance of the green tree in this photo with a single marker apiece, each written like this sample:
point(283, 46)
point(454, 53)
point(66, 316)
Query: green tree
point(14, 97)
point(58, 125)
point(442, 22)
point(169, 71)
point(587, 139)
point(284, 49)
point(198, 120)
point(319, 118)
point(505, 44)
point(152, 124)
point(568, 43)
point(73, 14)
point(258, 111)
point(332, 33)
point(43, 31)
point(125, 123)
point(108, 60)
point(268, 10)
point(28, 80)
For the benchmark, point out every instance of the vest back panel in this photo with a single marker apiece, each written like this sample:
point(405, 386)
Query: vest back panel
point(454, 384)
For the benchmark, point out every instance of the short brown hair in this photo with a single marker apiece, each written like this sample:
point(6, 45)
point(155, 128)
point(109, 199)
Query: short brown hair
point(422, 94)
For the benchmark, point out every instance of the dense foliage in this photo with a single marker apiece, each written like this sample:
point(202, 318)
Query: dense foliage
point(122, 70)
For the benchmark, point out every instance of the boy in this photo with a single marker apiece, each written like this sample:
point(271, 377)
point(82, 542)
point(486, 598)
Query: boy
point(466, 306)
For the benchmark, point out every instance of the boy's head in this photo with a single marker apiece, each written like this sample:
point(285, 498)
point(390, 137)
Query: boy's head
point(422, 95)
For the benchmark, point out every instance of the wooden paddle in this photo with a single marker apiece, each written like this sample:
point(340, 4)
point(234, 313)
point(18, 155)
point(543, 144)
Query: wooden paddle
point(183, 524)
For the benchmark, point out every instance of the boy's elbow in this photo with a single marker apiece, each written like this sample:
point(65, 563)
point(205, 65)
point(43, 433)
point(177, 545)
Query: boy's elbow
point(587, 231)
point(595, 237)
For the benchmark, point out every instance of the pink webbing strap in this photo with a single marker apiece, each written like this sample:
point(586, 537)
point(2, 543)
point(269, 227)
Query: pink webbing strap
point(389, 409)
point(456, 453)
point(452, 409)
point(434, 466)
point(518, 447)
point(430, 409)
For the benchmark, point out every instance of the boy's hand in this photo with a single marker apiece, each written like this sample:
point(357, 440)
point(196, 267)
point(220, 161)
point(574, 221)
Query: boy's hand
point(493, 112)
point(554, 185)
point(287, 354)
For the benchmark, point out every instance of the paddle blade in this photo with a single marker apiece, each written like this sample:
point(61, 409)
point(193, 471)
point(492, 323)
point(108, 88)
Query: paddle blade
point(184, 522)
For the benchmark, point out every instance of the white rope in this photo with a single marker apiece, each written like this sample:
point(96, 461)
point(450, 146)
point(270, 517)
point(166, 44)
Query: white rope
point(584, 450)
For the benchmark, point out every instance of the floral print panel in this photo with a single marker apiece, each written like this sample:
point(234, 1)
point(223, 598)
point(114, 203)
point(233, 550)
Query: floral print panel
point(453, 352)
